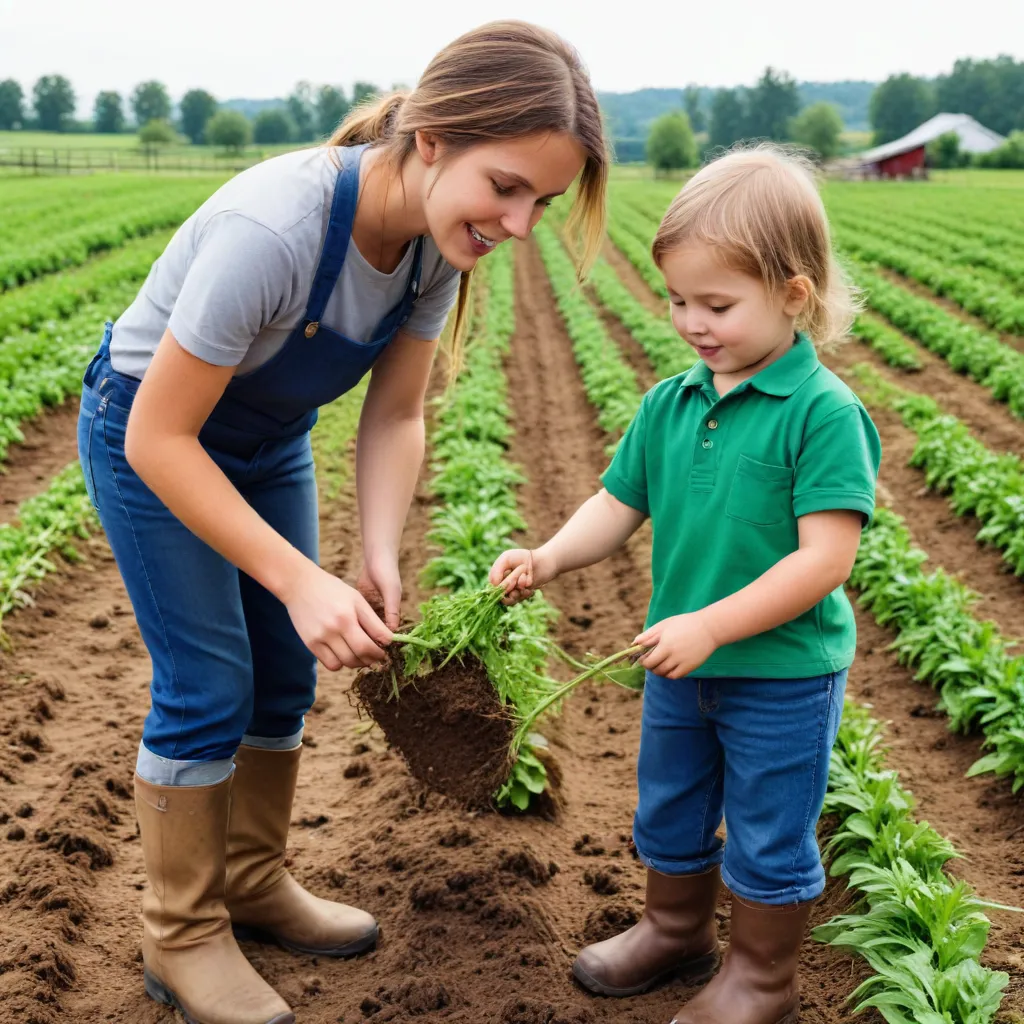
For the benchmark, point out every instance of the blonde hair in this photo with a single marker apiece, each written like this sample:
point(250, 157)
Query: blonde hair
point(503, 80)
point(760, 207)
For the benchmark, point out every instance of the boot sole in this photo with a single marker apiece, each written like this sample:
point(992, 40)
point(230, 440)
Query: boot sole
point(693, 972)
point(249, 933)
point(160, 993)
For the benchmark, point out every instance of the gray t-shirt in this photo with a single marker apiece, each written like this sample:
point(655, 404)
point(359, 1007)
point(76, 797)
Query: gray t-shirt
point(234, 280)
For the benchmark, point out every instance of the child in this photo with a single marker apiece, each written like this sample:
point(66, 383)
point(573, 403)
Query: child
point(757, 467)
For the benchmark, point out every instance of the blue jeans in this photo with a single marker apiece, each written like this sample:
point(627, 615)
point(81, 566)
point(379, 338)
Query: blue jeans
point(757, 749)
point(228, 664)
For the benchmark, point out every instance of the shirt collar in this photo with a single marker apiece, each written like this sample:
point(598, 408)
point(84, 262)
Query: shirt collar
point(780, 378)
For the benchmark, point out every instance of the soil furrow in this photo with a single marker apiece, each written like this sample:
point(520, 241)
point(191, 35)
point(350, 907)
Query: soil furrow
point(646, 378)
point(50, 444)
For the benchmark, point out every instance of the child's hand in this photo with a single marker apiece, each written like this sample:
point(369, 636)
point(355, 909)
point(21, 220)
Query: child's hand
point(521, 572)
point(679, 644)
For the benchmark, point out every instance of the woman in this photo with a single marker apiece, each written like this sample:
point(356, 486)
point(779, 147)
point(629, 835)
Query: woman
point(279, 294)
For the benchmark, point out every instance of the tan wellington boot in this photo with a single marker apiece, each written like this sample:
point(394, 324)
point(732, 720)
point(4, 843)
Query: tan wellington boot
point(677, 937)
point(758, 983)
point(192, 961)
point(264, 901)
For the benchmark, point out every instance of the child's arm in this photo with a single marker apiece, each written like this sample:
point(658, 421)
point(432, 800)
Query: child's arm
point(598, 528)
point(795, 584)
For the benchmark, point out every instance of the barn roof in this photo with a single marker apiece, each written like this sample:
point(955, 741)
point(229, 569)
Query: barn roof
point(974, 137)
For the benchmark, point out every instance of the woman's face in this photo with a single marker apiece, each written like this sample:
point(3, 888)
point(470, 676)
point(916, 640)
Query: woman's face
point(479, 197)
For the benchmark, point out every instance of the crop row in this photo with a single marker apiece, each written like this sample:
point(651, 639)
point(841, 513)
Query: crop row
point(36, 251)
point(969, 350)
point(997, 303)
point(967, 660)
point(24, 201)
point(45, 524)
point(42, 368)
point(477, 513)
point(609, 382)
point(52, 298)
point(979, 482)
point(921, 930)
point(941, 242)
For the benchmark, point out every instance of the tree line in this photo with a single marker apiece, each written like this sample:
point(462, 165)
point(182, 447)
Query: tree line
point(991, 91)
point(308, 113)
point(769, 110)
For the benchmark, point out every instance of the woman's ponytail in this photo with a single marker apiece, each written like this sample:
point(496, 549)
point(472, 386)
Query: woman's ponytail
point(372, 121)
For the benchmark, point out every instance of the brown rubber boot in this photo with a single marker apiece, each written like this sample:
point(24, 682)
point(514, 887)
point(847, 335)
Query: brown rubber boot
point(676, 938)
point(264, 901)
point(192, 961)
point(758, 982)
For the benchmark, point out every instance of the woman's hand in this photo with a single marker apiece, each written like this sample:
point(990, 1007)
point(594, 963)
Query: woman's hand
point(521, 571)
point(381, 584)
point(335, 621)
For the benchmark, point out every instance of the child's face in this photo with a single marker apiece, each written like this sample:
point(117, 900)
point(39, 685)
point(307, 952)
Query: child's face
point(728, 316)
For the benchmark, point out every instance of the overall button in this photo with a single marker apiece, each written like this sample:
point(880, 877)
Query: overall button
point(707, 443)
point(712, 424)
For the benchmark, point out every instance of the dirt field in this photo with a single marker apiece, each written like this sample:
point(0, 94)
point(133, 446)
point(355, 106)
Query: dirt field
point(481, 914)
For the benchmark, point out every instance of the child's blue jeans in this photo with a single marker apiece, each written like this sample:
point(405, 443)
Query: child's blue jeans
point(757, 749)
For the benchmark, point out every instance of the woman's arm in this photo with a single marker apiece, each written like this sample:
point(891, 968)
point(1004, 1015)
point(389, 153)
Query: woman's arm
point(177, 395)
point(597, 529)
point(389, 453)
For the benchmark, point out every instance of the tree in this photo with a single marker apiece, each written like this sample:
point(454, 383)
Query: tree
point(691, 102)
point(12, 105)
point(728, 117)
point(1009, 155)
point(229, 129)
point(54, 102)
point(771, 106)
point(363, 91)
point(108, 113)
point(899, 105)
point(331, 107)
point(670, 144)
point(302, 112)
point(944, 152)
point(157, 133)
point(819, 127)
point(272, 127)
point(196, 108)
point(992, 91)
point(150, 102)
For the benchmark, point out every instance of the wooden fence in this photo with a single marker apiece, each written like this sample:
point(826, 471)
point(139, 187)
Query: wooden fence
point(70, 160)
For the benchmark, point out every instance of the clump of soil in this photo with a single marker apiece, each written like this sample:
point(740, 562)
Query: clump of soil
point(449, 725)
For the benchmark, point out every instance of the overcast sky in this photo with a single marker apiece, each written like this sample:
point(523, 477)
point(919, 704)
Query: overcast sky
point(259, 48)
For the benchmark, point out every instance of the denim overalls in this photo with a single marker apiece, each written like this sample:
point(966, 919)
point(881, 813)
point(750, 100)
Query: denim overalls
point(227, 661)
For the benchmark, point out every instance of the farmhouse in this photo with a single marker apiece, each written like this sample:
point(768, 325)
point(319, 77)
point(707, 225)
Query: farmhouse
point(905, 157)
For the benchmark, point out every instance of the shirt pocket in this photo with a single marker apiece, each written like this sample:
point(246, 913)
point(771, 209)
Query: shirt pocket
point(760, 494)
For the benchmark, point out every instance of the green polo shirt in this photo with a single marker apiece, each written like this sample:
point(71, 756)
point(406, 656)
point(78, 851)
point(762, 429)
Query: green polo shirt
point(724, 480)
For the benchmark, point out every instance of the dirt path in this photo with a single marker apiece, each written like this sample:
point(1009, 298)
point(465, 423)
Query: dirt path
point(50, 444)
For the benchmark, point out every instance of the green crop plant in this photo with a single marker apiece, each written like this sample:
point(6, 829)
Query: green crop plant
point(988, 485)
point(970, 351)
point(47, 523)
point(921, 930)
point(980, 683)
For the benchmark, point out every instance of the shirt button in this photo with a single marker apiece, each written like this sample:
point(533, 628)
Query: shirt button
point(712, 424)
point(707, 443)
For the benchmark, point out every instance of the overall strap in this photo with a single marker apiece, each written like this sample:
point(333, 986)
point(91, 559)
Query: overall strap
point(339, 231)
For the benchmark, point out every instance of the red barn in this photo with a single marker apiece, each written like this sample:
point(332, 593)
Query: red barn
point(905, 157)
